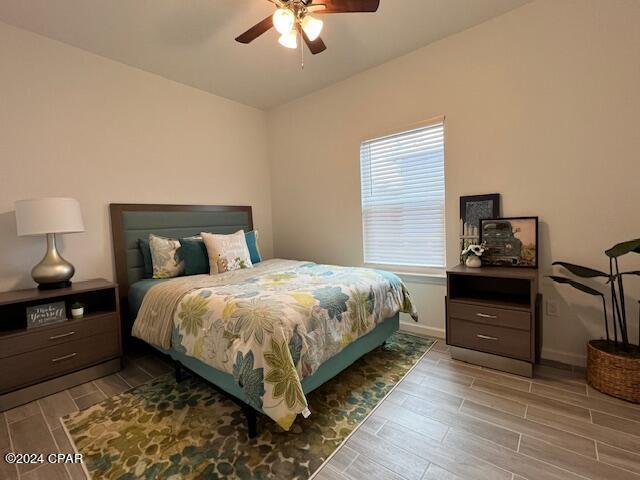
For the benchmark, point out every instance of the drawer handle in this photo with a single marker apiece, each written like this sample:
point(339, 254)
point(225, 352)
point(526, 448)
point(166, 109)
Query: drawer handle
point(486, 337)
point(65, 357)
point(484, 315)
point(62, 335)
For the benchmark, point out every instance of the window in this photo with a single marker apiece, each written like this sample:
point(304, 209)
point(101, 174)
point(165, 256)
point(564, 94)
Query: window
point(402, 178)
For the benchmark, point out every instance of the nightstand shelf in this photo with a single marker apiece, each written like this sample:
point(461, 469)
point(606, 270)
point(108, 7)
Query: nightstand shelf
point(42, 360)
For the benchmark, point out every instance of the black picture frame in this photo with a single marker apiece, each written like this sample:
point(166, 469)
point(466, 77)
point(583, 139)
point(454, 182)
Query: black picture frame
point(501, 249)
point(492, 199)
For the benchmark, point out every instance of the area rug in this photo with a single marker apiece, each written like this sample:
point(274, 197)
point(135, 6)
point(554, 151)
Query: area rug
point(164, 429)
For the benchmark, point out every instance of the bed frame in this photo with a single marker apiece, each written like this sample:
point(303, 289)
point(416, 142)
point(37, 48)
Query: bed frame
point(129, 222)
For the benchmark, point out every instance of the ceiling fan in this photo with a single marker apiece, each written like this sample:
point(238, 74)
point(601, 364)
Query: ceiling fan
point(293, 17)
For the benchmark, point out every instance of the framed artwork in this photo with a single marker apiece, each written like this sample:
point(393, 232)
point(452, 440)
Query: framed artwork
point(474, 208)
point(511, 242)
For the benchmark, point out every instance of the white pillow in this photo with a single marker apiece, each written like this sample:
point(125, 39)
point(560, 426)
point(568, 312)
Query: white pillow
point(227, 252)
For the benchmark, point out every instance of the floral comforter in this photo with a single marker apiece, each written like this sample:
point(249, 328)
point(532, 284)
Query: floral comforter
point(275, 324)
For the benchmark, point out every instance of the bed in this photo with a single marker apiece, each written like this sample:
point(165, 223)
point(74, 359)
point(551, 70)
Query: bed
point(290, 352)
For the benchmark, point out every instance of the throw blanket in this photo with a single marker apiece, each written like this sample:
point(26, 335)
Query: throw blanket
point(272, 325)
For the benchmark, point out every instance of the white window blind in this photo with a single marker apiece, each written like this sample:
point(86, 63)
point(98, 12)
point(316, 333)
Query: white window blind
point(402, 178)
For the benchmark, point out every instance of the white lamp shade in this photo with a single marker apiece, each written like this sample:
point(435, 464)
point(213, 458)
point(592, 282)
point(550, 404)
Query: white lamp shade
point(40, 216)
point(312, 27)
point(283, 20)
point(289, 40)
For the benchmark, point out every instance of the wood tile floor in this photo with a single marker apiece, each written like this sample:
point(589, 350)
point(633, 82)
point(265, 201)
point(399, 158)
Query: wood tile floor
point(35, 427)
point(449, 420)
point(446, 421)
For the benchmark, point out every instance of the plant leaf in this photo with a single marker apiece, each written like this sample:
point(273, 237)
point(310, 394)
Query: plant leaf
point(624, 248)
point(632, 272)
point(576, 285)
point(580, 271)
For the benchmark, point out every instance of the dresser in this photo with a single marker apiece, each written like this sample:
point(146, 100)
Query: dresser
point(493, 317)
point(42, 360)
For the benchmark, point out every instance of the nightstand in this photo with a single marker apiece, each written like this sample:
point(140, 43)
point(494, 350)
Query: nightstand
point(42, 360)
point(493, 317)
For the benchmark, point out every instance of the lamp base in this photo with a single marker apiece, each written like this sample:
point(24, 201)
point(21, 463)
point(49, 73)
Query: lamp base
point(53, 271)
point(54, 286)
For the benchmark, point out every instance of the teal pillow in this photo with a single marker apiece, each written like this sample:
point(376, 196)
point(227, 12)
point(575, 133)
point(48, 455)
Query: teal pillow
point(252, 244)
point(145, 250)
point(194, 254)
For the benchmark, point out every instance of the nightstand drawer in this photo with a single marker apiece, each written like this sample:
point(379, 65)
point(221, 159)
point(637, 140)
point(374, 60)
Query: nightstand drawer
point(491, 339)
point(63, 332)
point(500, 317)
point(31, 367)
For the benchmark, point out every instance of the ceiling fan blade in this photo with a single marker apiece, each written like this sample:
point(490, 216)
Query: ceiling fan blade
point(344, 6)
point(255, 31)
point(316, 46)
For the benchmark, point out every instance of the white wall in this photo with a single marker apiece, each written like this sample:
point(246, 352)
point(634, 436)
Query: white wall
point(76, 124)
point(541, 105)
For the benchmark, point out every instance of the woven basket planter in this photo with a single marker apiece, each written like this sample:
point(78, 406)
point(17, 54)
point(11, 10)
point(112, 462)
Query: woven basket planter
point(615, 375)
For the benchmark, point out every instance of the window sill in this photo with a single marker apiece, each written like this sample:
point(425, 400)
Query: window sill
point(415, 275)
point(430, 278)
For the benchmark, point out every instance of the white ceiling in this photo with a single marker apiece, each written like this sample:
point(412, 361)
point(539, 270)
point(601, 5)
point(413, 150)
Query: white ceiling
point(192, 41)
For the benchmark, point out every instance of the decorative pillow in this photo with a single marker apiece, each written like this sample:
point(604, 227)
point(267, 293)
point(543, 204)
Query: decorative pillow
point(252, 245)
point(227, 252)
point(194, 254)
point(145, 250)
point(165, 257)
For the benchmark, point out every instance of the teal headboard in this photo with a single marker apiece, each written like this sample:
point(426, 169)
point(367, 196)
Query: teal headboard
point(129, 222)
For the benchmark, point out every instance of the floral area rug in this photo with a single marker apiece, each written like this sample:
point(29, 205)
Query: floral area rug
point(164, 429)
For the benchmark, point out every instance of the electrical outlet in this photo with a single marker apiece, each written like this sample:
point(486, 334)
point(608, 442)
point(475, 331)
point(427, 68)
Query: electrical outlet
point(552, 308)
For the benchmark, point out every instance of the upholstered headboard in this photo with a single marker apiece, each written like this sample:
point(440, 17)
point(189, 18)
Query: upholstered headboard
point(129, 222)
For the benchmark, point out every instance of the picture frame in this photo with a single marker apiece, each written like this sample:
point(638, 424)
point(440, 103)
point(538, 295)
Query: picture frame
point(510, 241)
point(474, 208)
point(46, 314)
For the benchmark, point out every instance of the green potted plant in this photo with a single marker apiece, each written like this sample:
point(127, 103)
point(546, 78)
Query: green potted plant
point(613, 364)
point(77, 310)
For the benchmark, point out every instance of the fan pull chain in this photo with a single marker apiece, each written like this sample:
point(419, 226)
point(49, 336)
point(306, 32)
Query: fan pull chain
point(301, 52)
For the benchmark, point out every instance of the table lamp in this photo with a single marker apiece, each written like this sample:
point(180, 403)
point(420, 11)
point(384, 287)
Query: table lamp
point(48, 216)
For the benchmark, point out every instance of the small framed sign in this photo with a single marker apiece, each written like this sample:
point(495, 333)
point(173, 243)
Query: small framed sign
point(47, 313)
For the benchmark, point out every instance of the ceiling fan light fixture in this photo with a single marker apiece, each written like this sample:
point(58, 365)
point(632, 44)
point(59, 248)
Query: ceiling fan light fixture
point(312, 27)
point(289, 40)
point(283, 20)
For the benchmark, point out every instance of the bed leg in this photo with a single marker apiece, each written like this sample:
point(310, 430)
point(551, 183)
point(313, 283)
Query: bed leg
point(252, 421)
point(179, 372)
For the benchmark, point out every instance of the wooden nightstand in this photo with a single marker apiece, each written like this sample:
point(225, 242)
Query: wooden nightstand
point(493, 317)
point(39, 361)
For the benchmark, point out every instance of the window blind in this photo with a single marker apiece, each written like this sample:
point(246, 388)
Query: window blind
point(402, 180)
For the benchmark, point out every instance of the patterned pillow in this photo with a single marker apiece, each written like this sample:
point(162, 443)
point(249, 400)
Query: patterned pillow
point(164, 255)
point(227, 252)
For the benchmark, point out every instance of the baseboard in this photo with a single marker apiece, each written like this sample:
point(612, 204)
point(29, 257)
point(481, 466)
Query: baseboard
point(564, 357)
point(423, 330)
